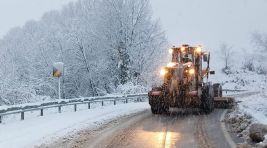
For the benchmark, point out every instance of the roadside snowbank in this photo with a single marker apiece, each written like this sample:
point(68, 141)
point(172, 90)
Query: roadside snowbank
point(251, 109)
point(35, 131)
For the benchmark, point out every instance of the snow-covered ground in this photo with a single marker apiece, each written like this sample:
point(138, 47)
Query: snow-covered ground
point(252, 104)
point(255, 105)
point(255, 102)
point(251, 109)
point(35, 131)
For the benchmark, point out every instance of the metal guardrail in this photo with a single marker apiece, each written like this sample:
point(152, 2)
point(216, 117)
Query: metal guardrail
point(234, 90)
point(102, 100)
point(79, 101)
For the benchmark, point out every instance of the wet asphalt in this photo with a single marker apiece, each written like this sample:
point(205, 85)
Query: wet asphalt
point(187, 130)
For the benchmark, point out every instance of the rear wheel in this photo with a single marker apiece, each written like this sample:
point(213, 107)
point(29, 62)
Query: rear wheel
point(207, 99)
point(217, 90)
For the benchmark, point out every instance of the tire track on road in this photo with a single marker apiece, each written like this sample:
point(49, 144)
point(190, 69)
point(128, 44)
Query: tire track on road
point(201, 134)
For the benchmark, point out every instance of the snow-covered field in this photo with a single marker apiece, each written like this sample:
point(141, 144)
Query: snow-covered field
point(35, 131)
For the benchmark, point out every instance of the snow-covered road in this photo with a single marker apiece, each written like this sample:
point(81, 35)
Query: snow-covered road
point(52, 127)
point(47, 129)
point(146, 130)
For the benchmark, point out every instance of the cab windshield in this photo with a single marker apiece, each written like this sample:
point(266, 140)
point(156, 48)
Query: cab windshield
point(182, 57)
point(187, 58)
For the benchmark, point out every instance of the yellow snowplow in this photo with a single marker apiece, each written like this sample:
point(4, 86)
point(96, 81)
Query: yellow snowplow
point(185, 83)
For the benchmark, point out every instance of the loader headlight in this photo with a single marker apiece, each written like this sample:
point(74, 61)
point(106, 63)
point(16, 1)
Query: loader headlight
point(170, 51)
point(182, 49)
point(163, 71)
point(192, 71)
point(198, 50)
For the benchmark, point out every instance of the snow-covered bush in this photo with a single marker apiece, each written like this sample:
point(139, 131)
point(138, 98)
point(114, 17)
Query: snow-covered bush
point(261, 70)
point(131, 88)
point(227, 70)
point(227, 57)
point(249, 65)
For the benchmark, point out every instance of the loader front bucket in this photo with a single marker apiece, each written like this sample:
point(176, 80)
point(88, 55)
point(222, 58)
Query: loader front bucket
point(224, 102)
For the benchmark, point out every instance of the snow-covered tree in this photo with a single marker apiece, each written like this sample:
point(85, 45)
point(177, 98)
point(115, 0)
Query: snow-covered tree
point(135, 40)
point(226, 54)
point(103, 43)
point(260, 40)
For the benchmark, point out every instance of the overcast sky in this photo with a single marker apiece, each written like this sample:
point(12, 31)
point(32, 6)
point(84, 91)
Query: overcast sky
point(206, 22)
point(211, 22)
point(15, 13)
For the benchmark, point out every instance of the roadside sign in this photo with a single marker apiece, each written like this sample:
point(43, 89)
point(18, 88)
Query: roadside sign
point(58, 69)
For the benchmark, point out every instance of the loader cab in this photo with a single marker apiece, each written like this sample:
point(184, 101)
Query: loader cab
point(196, 55)
point(186, 54)
point(183, 55)
point(187, 58)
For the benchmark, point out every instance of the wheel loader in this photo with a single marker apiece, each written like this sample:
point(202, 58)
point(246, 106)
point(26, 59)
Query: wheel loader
point(185, 83)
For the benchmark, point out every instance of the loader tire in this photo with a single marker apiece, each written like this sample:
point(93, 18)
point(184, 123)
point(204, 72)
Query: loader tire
point(157, 102)
point(157, 106)
point(207, 99)
point(217, 88)
point(154, 110)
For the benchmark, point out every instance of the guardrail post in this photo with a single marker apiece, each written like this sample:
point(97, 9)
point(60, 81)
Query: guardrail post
point(59, 109)
point(42, 112)
point(102, 103)
point(22, 116)
point(114, 102)
point(89, 105)
point(75, 107)
point(0, 119)
point(141, 99)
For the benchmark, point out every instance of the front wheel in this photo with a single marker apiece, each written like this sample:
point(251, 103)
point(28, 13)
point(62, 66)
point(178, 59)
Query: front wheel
point(157, 102)
point(154, 110)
